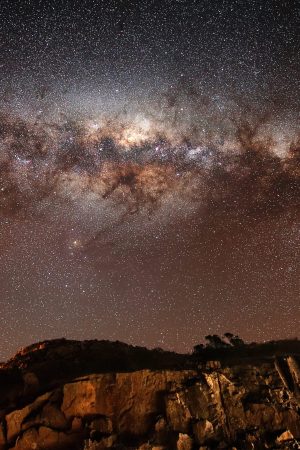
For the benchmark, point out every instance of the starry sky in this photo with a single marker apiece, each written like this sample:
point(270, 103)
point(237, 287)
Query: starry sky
point(149, 171)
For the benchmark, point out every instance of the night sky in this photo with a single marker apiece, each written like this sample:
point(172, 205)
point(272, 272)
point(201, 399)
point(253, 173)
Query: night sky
point(149, 171)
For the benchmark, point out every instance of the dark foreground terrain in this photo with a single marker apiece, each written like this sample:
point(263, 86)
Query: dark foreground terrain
point(92, 395)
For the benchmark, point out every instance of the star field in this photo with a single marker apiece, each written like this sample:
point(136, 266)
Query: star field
point(149, 171)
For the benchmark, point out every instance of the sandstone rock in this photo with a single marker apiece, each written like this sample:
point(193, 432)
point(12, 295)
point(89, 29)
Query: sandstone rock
point(213, 365)
point(46, 439)
point(103, 444)
point(291, 421)
point(160, 425)
point(102, 425)
point(285, 436)
point(161, 431)
point(76, 424)
point(229, 414)
point(239, 405)
point(203, 431)
point(185, 442)
point(145, 446)
point(28, 441)
point(80, 397)
point(109, 442)
point(52, 417)
point(273, 418)
point(124, 396)
point(178, 412)
point(294, 369)
point(15, 419)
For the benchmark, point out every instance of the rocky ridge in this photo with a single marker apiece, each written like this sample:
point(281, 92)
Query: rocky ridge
point(57, 395)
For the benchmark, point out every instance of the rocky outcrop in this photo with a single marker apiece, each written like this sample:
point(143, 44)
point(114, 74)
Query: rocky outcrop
point(240, 406)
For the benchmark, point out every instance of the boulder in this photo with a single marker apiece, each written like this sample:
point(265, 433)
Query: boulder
point(184, 442)
point(178, 413)
point(162, 431)
point(15, 419)
point(51, 416)
point(76, 425)
point(45, 438)
point(203, 431)
point(104, 444)
point(285, 436)
point(102, 425)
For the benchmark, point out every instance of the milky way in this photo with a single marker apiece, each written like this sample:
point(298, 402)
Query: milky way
point(138, 162)
point(149, 172)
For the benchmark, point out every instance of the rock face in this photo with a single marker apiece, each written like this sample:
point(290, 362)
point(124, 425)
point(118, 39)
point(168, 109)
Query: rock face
point(240, 406)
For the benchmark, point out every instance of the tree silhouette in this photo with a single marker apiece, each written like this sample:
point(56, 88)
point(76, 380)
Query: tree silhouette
point(214, 341)
point(234, 340)
point(198, 349)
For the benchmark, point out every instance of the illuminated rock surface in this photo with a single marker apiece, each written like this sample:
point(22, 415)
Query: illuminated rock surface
point(50, 399)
